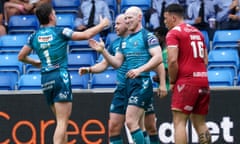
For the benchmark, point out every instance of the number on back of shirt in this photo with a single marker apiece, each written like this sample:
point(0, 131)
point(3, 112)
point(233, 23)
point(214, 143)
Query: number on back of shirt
point(198, 50)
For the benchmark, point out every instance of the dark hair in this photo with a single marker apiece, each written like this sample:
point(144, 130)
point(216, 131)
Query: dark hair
point(176, 9)
point(43, 12)
point(161, 31)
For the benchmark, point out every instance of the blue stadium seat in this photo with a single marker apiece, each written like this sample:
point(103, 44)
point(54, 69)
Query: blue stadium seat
point(12, 42)
point(106, 79)
point(10, 63)
point(75, 61)
point(224, 58)
point(225, 38)
point(28, 68)
point(143, 4)
point(220, 77)
point(7, 81)
point(238, 80)
point(206, 38)
point(79, 82)
point(65, 20)
point(23, 24)
point(66, 6)
point(30, 82)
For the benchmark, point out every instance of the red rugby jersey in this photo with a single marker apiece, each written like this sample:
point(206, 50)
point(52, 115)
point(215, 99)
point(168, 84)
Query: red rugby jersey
point(190, 42)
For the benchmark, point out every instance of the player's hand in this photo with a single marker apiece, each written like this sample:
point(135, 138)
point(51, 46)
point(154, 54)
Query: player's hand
point(104, 21)
point(133, 73)
point(83, 70)
point(37, 63)
point(171, 87)
point(162, 91)
point(98, 46)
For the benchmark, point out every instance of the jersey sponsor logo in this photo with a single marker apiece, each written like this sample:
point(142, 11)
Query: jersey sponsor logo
point(188, 108)
point(124, 44)
point(152, 41)
point(199, 74)
point(46, 38)
point(48, 85)
point(133, 99)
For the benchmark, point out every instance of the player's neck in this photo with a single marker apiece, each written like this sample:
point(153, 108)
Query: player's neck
point(50, 24)
point(180, 21)
point(137, 29)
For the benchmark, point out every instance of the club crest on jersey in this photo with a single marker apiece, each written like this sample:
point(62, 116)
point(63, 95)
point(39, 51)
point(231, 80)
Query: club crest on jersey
point(135, 44)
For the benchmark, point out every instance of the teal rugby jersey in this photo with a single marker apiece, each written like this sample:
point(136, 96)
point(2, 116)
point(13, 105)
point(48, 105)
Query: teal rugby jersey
point(121, 71)
point(135, 49)
point(50, 44)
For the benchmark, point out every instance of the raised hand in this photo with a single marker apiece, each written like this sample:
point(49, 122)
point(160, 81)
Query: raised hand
point(104, 21)
point(98, 46)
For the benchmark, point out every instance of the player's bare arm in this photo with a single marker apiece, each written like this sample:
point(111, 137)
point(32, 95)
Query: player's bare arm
point(156, 59)
point(115, 61)
point(162, 89)
point(172, 64)
point(23, 56)
point(89, 33)
point(97, 68)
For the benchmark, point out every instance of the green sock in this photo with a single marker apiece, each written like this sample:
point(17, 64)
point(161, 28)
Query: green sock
point(116, 140)
point(154, 139)
point(138, 136)
point(146, 137)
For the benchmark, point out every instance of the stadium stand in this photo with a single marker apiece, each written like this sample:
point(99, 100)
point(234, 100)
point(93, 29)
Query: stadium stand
point(29, 82)
point(106, 79)
point(23, 24)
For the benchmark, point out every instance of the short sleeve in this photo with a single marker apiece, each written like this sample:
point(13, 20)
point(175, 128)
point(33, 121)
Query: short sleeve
point(152, 40)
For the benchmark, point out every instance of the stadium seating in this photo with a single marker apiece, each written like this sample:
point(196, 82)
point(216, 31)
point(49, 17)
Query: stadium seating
point(75, 61)
point(224, 58)
point(225, 38)
point(23, 24)
point(30, 82)
point(7, 81)
point(143, 4)
point(12, 42)
point(66, 6)
point(106, 79)
point(79, 82)
point(10, 63)
point(65, 20)
point(220, 77)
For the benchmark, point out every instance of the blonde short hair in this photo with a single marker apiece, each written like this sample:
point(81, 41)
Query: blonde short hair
point(134, 9)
